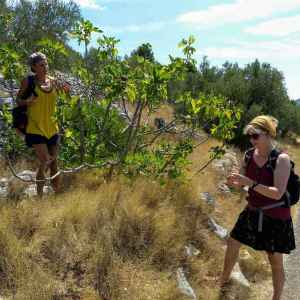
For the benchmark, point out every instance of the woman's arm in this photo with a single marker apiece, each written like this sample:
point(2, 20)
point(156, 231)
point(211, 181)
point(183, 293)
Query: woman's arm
point(281, 177)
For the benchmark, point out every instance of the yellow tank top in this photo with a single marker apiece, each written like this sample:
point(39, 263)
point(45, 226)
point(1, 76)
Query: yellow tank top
point(41, 114)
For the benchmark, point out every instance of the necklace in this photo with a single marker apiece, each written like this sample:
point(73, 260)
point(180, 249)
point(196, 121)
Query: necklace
point(44, 85)
point(42, 82)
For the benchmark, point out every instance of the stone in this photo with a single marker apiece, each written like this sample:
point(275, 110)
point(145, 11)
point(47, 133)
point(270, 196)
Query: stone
point(190, 251)
point(208, 198)
point(26, 175)
point(220, 231)
point(30, 191)
point(3, 192)
point(218, 166)
point(223, 188)
point(3, 182)
point(184, 285)
point(239, 277)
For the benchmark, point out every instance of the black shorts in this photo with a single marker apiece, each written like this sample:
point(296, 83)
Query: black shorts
point(35, 139)
point(277, 235)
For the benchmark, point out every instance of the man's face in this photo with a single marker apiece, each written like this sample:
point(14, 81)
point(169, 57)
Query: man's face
point(41, 67)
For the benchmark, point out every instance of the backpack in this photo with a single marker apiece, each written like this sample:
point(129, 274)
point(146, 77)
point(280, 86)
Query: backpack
point(19, 113)
point(292, 194)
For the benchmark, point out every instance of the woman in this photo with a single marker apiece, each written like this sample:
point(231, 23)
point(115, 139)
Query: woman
point(42, 127)
point(275, 234)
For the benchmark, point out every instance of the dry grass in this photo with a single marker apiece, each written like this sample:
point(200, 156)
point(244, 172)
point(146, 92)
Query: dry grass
point(95, 239)
point(122, 240)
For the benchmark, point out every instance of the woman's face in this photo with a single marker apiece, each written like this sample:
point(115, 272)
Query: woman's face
point(40, 67)
point(259, 139)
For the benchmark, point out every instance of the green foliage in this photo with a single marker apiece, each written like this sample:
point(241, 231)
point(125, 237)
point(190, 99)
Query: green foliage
point(145, 51)
point(10, 143)
point(97, 148)
point(188, 48)
point(166, 161)
point(83, 32)
point(35, 20)
point(27, 25)
point(95, 131)
point(10, 65)
point(54, 50)
point(255, 89)
point(217, 112)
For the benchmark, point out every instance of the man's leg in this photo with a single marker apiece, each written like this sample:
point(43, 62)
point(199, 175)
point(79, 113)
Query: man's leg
point(53, 151)
point(231, 256)
point(42, 154)
point(276, 262)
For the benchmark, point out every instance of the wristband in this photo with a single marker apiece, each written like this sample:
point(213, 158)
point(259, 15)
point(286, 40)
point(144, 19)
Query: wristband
point(254, 185)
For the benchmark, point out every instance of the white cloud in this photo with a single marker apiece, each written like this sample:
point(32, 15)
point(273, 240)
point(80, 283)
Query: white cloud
point(147, 27)
point(91, 4)
point(238, 11)
point(267, 51)
point(277, 27)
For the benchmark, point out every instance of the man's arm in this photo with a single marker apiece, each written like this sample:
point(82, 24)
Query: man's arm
point(24, 102)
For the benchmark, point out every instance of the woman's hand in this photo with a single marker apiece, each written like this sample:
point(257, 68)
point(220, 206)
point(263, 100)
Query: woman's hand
point(237, 180)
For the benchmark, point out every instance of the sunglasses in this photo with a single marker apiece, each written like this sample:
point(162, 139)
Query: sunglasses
point(254, 136)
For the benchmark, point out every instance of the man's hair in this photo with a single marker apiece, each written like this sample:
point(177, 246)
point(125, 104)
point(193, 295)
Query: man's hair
point(35, 58)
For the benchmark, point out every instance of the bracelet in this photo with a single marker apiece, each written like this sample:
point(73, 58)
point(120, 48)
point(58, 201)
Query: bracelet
point(254, 185)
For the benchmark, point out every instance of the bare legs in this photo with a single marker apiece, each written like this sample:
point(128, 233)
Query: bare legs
point(276, 262)
point(47, 157)
point(53, 151)
point(231, 256)
point(275, 259)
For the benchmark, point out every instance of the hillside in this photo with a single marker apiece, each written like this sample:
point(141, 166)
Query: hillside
point(126, 240)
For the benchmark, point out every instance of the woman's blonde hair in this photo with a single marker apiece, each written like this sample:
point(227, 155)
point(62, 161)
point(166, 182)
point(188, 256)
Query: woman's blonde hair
point(267, 124)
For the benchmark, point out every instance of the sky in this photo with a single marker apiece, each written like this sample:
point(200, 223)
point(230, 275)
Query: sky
point(225, 30)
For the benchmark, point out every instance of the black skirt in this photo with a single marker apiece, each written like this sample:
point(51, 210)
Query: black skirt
point(277, 235)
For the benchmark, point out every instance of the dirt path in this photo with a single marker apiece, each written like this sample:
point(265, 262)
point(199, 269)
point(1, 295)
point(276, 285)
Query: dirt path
point(292, 264)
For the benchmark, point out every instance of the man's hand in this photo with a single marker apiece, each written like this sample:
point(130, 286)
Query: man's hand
point(31, 100)
point(62, 86)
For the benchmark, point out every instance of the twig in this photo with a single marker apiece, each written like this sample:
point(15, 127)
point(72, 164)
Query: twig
point(66, 171)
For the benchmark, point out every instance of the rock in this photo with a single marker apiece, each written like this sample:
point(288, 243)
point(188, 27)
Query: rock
point(184, 285)
point(190, 250)
point(232, 157)
point(220, 231)
point(218, 166)
point(297, 141)
point(223, 188)
point(208, 198)
point(17, 188)
point(3, 192)
point(225, 165)
point(239, 277)
point(30, 191)
point(26, 175)
point(3, 182)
